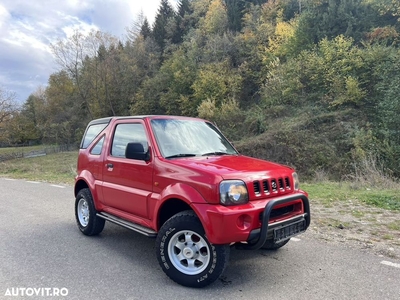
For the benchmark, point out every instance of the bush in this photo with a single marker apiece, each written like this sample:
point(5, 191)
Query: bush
point(369, 172)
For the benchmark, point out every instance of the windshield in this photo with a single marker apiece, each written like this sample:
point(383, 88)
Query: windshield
point(185, 138)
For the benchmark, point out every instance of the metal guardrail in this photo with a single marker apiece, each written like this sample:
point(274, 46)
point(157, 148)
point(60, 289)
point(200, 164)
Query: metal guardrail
point(35, 153)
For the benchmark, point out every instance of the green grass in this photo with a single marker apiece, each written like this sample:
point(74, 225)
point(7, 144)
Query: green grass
point(388, 237)
point(330, 192)
point(55, 168)
point(394, 225)
point(357, 213)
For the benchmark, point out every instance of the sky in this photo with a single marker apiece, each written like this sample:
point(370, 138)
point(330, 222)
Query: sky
point(28, 27)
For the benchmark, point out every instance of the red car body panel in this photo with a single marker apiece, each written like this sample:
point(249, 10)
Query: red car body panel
point(136, 190)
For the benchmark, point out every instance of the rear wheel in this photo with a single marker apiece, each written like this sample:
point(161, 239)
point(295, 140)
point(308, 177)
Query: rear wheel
point(85, 214)
point(185, 254)
point(271, 245)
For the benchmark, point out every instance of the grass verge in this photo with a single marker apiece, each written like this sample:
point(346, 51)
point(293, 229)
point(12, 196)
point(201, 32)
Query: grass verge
point(55, 168)
point(330, 192)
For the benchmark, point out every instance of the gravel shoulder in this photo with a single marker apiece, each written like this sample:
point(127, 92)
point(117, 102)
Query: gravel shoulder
point(357, 225)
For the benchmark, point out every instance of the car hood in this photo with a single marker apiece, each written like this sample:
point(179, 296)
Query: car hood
point(235, 167)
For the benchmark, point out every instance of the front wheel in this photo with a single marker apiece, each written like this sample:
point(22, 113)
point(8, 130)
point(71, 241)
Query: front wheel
point(85, 214)
point(185, 254)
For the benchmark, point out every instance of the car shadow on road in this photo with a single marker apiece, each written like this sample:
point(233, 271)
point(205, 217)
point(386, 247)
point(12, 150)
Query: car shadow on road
point(138, 250)
point(53, 250)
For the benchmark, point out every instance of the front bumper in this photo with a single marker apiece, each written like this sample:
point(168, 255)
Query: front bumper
point(225, 225)
point(282, 230)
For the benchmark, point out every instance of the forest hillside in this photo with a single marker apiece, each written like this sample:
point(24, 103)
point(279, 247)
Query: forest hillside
point(314, 84)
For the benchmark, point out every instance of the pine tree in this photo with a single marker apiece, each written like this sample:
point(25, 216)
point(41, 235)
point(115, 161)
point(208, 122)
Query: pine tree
point(182, 22)
point(235, 10)
point(184, 7)
point(162, 22)
point(145, 30)
point(139, 27)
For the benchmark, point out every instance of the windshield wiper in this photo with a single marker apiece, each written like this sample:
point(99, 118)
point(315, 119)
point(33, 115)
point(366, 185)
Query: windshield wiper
point(215, 153)
point(181, 155)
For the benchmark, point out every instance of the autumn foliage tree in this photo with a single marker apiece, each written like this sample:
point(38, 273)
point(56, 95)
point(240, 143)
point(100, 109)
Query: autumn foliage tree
point(8, 111)
point(310, 83)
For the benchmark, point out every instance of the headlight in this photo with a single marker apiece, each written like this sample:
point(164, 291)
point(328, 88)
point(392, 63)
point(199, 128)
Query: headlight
point(296, 182)
point(233, 192)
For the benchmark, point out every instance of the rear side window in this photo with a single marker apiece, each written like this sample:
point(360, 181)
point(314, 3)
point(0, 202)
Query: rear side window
point(96, 150)
point(91, 133)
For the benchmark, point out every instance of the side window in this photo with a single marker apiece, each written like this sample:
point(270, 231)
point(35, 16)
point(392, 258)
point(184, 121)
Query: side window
point(96, 150)
point(91, 133)
point(128, 133)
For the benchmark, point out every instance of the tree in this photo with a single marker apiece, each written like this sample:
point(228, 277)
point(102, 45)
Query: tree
point(386, 35)
point(216, 82)
point(8, 104)
point(235, 12)
point(91, 61)
point(145, 29)
point(165, 18)
point(182, 20)
point(216, 19)
point(71, 55)
point(139, 27)
point(388, 108)
point(184, 8)
point(8, 110)
point(33, 117)
point(388, 8)
point(179, 73)
point(63, 111)
point(330, 18)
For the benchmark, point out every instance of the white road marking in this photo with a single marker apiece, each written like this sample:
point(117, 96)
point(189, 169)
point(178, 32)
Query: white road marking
point(295, 239)
point(9, 179)
point(388, 263)
point(36, 182)
point(58, 186)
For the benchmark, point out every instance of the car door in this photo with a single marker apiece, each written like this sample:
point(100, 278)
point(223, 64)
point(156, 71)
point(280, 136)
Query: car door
point(127, 183)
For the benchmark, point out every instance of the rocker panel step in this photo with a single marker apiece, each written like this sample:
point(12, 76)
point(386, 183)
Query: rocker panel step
point(129, 225)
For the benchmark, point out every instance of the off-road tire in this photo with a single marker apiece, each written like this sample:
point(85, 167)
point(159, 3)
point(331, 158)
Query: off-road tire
point(85, 214)
point(270, 245)
point(185, 254)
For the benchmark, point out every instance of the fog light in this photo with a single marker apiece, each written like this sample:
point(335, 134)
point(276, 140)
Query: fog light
point(243, 222)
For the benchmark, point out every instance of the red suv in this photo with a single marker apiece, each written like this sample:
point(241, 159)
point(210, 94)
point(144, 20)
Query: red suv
point(180, 181)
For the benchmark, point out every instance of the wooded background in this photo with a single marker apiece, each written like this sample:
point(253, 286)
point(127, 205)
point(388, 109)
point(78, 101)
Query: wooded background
point(314, 84)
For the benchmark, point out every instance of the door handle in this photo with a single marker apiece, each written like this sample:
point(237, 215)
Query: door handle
point(110, 166)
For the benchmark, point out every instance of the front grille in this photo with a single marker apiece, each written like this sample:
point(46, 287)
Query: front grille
point(256, 186)
point(272, 186)
point(287, 183)
point(281, 211)
point(266, 187)
point(278, 212)
point(281, 186)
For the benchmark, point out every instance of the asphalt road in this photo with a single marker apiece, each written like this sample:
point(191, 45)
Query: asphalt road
point(42, 252)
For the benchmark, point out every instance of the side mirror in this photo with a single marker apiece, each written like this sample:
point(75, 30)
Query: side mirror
point(136, 151)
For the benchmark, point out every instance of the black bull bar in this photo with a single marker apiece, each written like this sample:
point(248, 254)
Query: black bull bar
point(262, 233)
